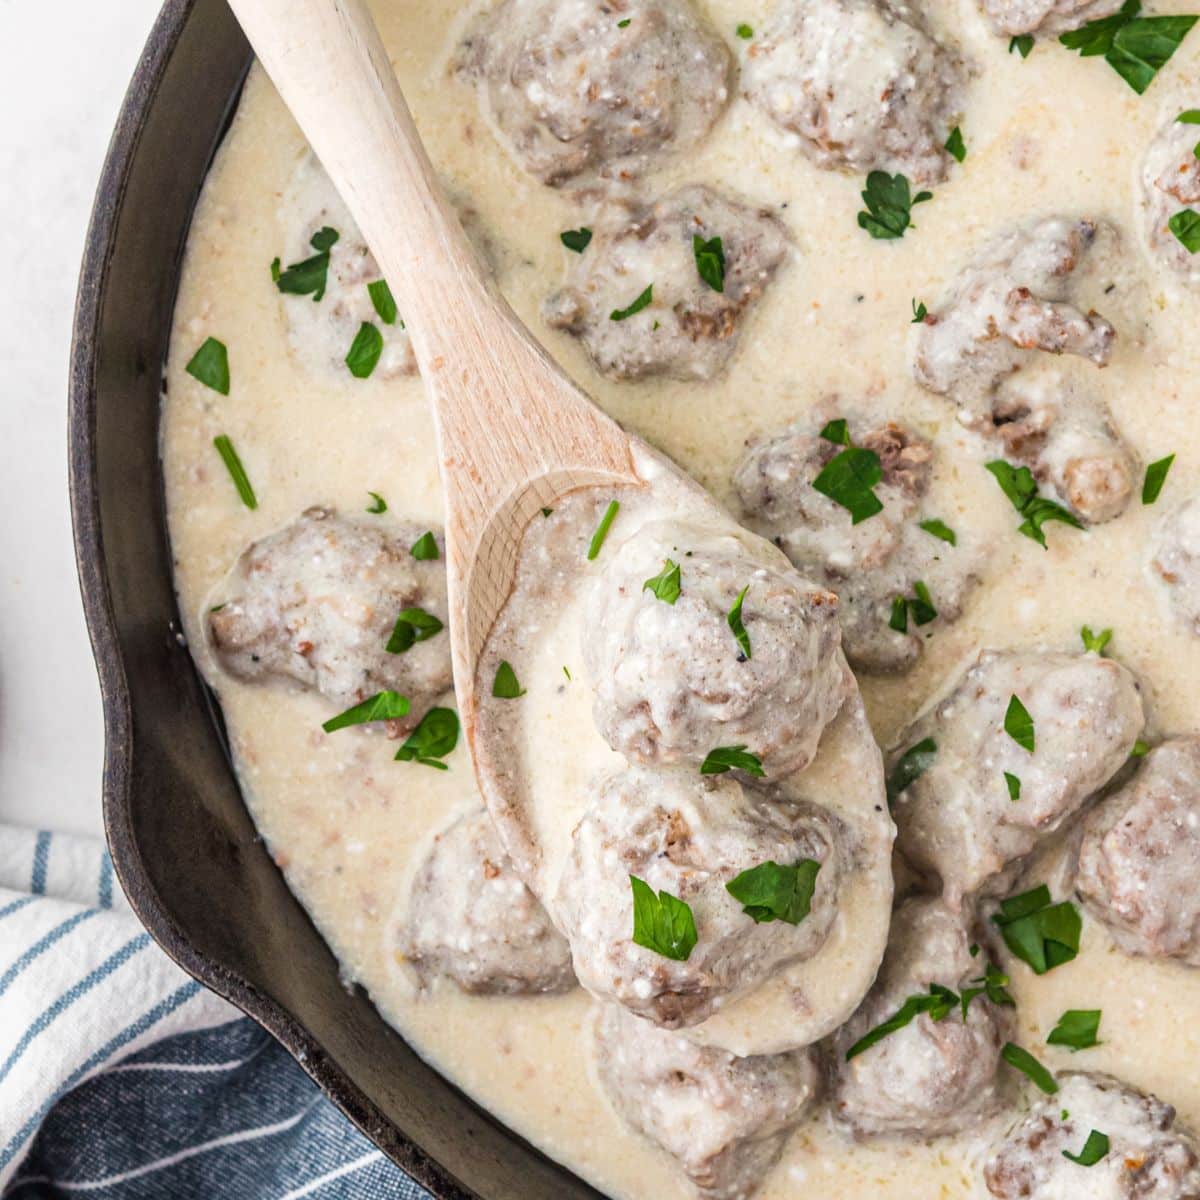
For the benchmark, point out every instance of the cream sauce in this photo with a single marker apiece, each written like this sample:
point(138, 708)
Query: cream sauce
point(347, 825)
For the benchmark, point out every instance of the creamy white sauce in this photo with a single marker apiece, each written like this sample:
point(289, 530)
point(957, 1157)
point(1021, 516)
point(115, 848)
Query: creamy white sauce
point(1050, 134)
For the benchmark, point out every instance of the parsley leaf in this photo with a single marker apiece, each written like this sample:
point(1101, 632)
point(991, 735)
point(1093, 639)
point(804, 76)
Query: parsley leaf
point(662, 923)
point(210, 365)
point(1185, 225)
point(1190, 116)
point(1094, 1149)
point(1094, 643)
point(939, 1004)
point(1018, 724)
point(1135, 47)
point(939, 529)
point(1041, 934)
point(434, 738)
point(1140, 749)
point(665, 585)
point(920, 606)
point(911, 765)
point(602, 529)
point(576, 239)
point(310, 277)
point(769, 892)
point(837, 432)
point(1019, 486)
point(1014, 786)
point(745, 32)
point(733, 618)
point(643, 301)
point(710, 261)
point(920, 312)
point(955, 146)
point(383, 706)
point(383, 301)
point(1076, 1029)
point(899, 618)
point(889, 204)
point(506, 686)
point(728, 758)
point(413, 625)
point(1156, 476)
point(425, 548)
point(365, 351)
point(233, 464)
point(848, 479)
point(993, 984)
point(1023, 45)
point(1028, 1065)
point(378, 505)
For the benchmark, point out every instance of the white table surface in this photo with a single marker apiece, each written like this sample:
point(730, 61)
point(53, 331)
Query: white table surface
point(66, 65)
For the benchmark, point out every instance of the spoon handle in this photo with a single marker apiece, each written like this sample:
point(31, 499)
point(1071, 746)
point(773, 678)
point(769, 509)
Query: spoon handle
point(514, 432)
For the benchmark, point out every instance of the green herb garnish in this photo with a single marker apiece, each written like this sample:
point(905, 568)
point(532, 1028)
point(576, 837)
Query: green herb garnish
point(665, 585)
point(1185, 226)
point(993, 984)
point(1140, 749)
point(1094, 1149)
point(383, 300)
point(425, 548)
point(1076, 1029)
point(1135, 47)
point(413, 625)
point(1094, 643)
point(910, 766)
point(233, 464)
point(434, 738)
point(1041, 934)
point(733, 618)
point(1156, 476)
point(1019, 486)
point(938, 1004)
point(848, 479)
point(939, 529)
point(210, 365)
point(1024, 1062)
point(378, 504)
point(506, 686)
point(1013, 784)
point(602, 529)
point(576, 239)
point(728, 758)
point(837, 432)
point(899, 618)
point(1023, 45)
point(889, 204)
point(662, 923)
point(710, 261)
point(745, 32)
point(770, 892)
point(920, 312)
point(1018, 724)
point(365, 351)
point(383, 706)
point(643, 301)
point(310, 277)
point(955, 146)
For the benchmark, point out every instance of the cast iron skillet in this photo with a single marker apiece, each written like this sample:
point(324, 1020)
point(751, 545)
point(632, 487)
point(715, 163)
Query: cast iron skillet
point(183, 845)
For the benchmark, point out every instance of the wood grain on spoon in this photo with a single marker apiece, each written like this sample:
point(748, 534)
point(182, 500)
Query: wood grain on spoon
point(514, 433)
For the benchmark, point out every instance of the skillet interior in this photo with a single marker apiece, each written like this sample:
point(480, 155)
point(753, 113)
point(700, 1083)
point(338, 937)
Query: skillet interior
point(182, 843)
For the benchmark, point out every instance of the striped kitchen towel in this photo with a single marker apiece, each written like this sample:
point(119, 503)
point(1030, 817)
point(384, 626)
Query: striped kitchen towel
point(122, 1078)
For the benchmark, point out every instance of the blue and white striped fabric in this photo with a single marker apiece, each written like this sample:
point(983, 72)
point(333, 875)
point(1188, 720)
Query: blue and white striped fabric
point(122, 1078)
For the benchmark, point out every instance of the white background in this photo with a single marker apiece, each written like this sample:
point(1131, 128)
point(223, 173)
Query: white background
point(66, 65)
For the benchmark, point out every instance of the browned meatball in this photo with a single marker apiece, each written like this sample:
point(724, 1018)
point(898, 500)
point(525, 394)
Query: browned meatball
point(316, 603)
point(684, 326)
point(1140, 857)
point(1171, 185)
point(1013, 18)
point(861, 83)
point(1149, 1158)
point(593, 87)
point(931, 1076)
point(472, 920)
point(724, 1118)
point(689, 835)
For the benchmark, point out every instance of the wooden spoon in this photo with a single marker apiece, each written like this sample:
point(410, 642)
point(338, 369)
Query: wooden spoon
point(514, 433)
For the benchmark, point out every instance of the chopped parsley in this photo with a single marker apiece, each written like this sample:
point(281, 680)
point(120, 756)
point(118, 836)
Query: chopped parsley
point(383, 706)
point(770, 892)
point(910, 766)
point(1140, 749)
point(1018, 724)
point(1136, 47)
point(576, 240)
point(1076, 1029)
point(643, 301)
point(955, 146)
point(546, 512)
point(425, 548)
point(938, 1004)
point(710, 261)
point(1024, 1062)
point(733, 618)
point(602, 529)
point(310, 277)
point(1022, 45)
point(1014, 786)
point(233, 464)
point(919, 606)
point(837, 432)
point(665, 585)
point(993, 984)
point(434, 738)
point(889, 202)
point(624, 23)
point(413, 625)
point(506, 685)
point(939, 529)
point(728, 758)
point(1156, 476)
point(662, 923)
point(745, 32)
point(1094, 1149)
point(899, 618)
point(1095, 643)
point(365, 351)
point(1041, 934)
point(210, 365)
point(1019, 486)
point(849, 478)
point(1185, 226)
point(383, 301)
point(378, 504)
point(920, 312)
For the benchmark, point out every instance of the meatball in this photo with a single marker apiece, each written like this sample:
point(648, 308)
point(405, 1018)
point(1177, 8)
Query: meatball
point(724, 1118)
point(672, 681)
point(1014, 18)
point(861, 83)
point(472, 920)
point(869, 564)
point(689, 835)
point(1149, 1158)
point(1140, 856)
point(1018, 297)
point(958, 820)
point(1176, 562)
point(688, 327)
point(929, 1077)
point(1171, 185)
point(316, 603)
point(596, 87)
